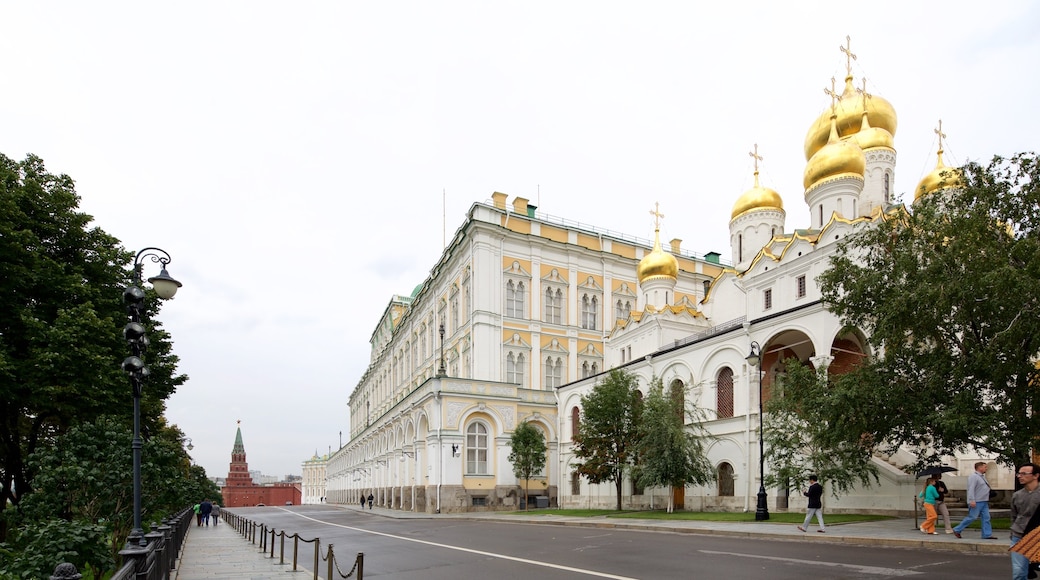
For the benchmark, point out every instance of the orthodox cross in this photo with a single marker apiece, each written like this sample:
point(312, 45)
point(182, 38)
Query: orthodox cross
point(940, 133)
point(849, 57)
point(865, 94)
point(833, 94)
point(754, 154)
point(657, 215)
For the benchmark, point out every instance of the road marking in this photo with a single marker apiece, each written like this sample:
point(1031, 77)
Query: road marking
point(468, 550)
point(862, 569)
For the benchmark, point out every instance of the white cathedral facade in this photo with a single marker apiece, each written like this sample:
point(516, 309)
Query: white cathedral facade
point(524, 313)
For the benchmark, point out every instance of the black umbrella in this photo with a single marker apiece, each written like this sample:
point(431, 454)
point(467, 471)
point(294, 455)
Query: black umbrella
point(935, 470)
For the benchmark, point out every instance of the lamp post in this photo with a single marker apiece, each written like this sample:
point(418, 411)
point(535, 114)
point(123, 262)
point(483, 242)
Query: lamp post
point(134, 333)
point(442, 371)
point(754, 358)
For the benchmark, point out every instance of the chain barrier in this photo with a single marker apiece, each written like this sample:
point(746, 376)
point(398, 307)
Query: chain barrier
point(248, 529)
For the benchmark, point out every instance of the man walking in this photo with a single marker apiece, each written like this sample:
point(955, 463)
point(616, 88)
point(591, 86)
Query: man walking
point(978, 503)
point(1023, 508)
point(814, 493)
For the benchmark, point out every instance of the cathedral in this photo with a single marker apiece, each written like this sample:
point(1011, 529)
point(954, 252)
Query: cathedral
point(524, 313)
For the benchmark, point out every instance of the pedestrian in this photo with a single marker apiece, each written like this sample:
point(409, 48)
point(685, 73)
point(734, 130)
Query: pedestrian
point(370, 498)
point(1023, 515)
point(206, 508)
point(978, 503)
point(929, 495)
point(940, 504)
point(215, 514)
point(814, 493)
point(362, 501)
point(198, 513)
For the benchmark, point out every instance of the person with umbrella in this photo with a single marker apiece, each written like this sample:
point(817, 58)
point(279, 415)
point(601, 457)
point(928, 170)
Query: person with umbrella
point(929, 495)
point(940, 503)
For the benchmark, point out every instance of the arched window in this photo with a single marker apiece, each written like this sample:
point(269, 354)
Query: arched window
point(553, 306)
point(477, 449)
point(885, 188)
point(515, 299)
point(589, 306)
point(724, 393)
point(585, 370)
point(515, 368)
point(725, 480)
point(575, 423)
point(575, 483)
point(619, 311)
point(553, 372)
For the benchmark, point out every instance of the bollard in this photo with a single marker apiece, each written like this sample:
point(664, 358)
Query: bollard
point(272, 543)
point(281, 550)
point(360, 565)
point(295, 551)
point(317, 557)
point(66, 571)
point(330, 560)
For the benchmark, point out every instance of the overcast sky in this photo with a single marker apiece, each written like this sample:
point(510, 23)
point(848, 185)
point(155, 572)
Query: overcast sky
point(296, 158)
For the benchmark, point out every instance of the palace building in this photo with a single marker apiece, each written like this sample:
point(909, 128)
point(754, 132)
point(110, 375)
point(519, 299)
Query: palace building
point(525, 312)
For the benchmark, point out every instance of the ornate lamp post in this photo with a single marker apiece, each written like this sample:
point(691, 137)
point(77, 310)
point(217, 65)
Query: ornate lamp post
point(762, 511)
point(134, 333)
point(442, 371)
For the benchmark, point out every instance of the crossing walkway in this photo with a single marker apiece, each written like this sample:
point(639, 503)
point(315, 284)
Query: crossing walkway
point(220, 552)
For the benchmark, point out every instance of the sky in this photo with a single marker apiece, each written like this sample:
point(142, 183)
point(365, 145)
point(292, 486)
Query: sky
point(303, 162)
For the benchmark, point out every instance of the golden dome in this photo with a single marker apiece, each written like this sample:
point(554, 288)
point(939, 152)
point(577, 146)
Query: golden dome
point(942, 177)
point(657, 263)
point(757, 197)
point(872, 137)
point(838, 157)
point(849, 110)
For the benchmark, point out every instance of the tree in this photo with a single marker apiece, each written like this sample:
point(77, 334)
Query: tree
point(528, 454)
point(61, 313)
point(949, 296)
point(670, 454)
point(816, 427)
point(609, 429)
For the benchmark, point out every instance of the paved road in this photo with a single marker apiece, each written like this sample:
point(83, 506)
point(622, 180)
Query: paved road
point(403, 546)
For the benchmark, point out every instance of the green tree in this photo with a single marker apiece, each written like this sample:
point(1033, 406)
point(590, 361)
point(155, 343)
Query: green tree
point(528, 454)
point(609, 430)
point(817, 427)
point(670, 453)
point(61, 314)
point(949, 296)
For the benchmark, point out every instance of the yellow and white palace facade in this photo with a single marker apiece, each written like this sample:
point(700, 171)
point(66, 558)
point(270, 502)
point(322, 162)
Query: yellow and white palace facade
point(524, 313)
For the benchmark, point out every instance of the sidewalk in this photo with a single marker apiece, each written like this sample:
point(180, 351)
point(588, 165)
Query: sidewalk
point(221, 552)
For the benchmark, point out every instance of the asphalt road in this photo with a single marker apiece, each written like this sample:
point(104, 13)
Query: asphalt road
point(434, 549)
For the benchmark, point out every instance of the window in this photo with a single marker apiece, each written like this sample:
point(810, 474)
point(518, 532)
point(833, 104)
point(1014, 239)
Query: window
point(589, 308)
point(585, 370)
point(515, 299)
point(468, 298)
point(724, 393)
point(725, 480)
point(707, 287)
point(575, 423)
point(619, 311)
point(885, 188)
point(767, 295)
point(480, 501)
point(455, 312)
point(740, 248)
point(553, 372)
point(800, 282)
point(553, 306)
point(575, 483)
point(515, 368)
point(477, 449)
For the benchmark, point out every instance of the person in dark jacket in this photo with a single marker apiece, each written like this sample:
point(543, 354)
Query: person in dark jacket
point(205, 508)
point(370, 498)
point(814, 493)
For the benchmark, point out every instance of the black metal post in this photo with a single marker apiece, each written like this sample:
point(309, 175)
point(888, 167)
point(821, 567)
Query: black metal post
point(135, 335)
point(762, 509)
point(442, 371)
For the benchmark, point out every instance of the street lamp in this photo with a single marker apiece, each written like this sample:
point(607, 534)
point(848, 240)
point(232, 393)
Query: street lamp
point(188, 445)
point(442, 371)
point(134, 333)
point(754, 358)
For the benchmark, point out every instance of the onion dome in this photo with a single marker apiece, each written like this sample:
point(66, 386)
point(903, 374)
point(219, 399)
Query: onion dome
point(658, 263)
point(849, 110)
point(872, 137)
point(942, 177)
point(757, 197)
point(839, 157)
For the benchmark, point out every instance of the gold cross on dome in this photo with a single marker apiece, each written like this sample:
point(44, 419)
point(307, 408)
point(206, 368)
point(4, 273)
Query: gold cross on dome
point(833, 92)
point(849, 57)
point(865, 94)
point(940, 133)
point(754, 154)
point(656, 212)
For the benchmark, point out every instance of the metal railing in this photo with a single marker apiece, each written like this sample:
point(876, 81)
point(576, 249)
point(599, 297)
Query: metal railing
point(264, 537)
point(152, 556)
